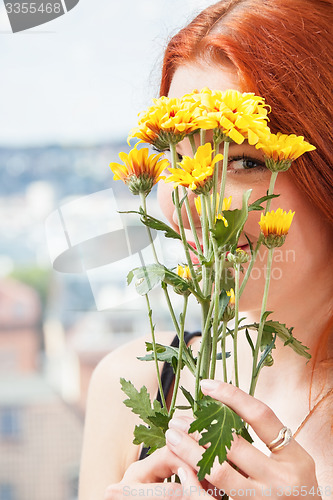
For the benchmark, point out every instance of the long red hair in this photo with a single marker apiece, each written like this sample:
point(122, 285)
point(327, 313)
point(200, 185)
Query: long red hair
point(281, 50)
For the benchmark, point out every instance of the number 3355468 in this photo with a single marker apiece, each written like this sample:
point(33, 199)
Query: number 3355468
point(32, 8)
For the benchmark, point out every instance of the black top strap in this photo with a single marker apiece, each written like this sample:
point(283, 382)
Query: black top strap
point(167, 376)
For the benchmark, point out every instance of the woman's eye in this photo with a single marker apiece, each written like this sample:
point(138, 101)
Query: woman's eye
point(238, 163)
point(179, 156)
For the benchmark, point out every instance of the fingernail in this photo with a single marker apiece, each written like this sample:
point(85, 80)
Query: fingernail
point(173, 437)
point(178, 423)
point(182, 475)
point(209, 385)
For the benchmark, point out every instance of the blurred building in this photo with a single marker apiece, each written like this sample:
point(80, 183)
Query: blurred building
point(40, 434)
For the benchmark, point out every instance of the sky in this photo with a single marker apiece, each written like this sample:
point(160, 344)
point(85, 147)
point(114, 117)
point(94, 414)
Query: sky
point(83, 77)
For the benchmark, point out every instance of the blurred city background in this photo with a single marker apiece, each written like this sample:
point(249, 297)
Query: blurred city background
point(70, 91)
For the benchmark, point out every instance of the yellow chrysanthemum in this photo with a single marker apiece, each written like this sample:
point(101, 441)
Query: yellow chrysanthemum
point(169, 120)
point(231, 294)
point(139, 171)
point(275, 226)
point(281, 149)
point(225, 206)
point(184, 272)
point(238, 116)
point(196, 173)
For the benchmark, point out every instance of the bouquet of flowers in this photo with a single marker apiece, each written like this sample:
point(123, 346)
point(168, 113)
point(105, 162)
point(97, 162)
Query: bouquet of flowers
point(214, 281)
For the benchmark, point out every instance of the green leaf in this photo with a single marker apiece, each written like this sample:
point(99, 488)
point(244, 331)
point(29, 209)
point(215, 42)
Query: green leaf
point(155, 416)
point(188, 396)
point(139, 401)
point(285, 334)
point(245, 434)
point(248, 338)
point(236, 220)
point(153, 223)
point(160, 420)
point(147, 277)
point(216, 423)
point(256, 205)
point(151, 437)
point(227, 280)
point(163, 353)
point(219, 355)
point(223, 302)
point(267, 350)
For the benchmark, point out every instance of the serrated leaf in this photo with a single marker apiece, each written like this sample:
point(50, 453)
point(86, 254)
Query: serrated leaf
point(236, 219)
point(256, 205)
point(160, 419)
point(138, 401)
point(216, 423)
point(285, 334)
point(151, 437)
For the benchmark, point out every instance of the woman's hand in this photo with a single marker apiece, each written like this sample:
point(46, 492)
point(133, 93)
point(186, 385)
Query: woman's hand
point(144, 477)
point(289, 471)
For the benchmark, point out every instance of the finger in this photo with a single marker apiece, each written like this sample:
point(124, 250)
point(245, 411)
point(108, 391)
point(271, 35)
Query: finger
point(183, 424)
point(251, 461)
point(262, 419)
point(191, 487)
point(120, 491)
point(222, 476)
point(154, 468)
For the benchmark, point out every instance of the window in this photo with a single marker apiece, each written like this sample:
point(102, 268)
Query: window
point(10, 423)
point(7, 492)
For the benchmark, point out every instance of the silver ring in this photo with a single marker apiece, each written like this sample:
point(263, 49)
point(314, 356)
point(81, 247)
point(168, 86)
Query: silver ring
point(282, 439)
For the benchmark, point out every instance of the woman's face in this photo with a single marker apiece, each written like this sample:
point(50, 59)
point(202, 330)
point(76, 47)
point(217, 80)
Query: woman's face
point(300, 260)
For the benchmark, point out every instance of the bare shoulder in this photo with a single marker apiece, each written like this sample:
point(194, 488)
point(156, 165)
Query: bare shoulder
point(124, 362)
point(108, 448)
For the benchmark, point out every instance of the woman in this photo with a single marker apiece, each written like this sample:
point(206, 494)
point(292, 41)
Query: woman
point(280, 50)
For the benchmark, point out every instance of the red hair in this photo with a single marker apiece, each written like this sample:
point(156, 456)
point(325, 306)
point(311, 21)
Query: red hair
point(282, 51)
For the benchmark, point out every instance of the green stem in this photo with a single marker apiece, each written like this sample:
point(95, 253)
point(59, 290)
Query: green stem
point(181, 225)
point(165, 289)
point(180, 357)
point(152, 329)
point(224, 359)
point(216, 295)
point(224, 174)
point(192, 225)
point(202, 136)
point(192, 142)
point(259, 241)
point(144, 206)
point(207, 309)
point(255, 372)
point(216, 176)
point(237, 270)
